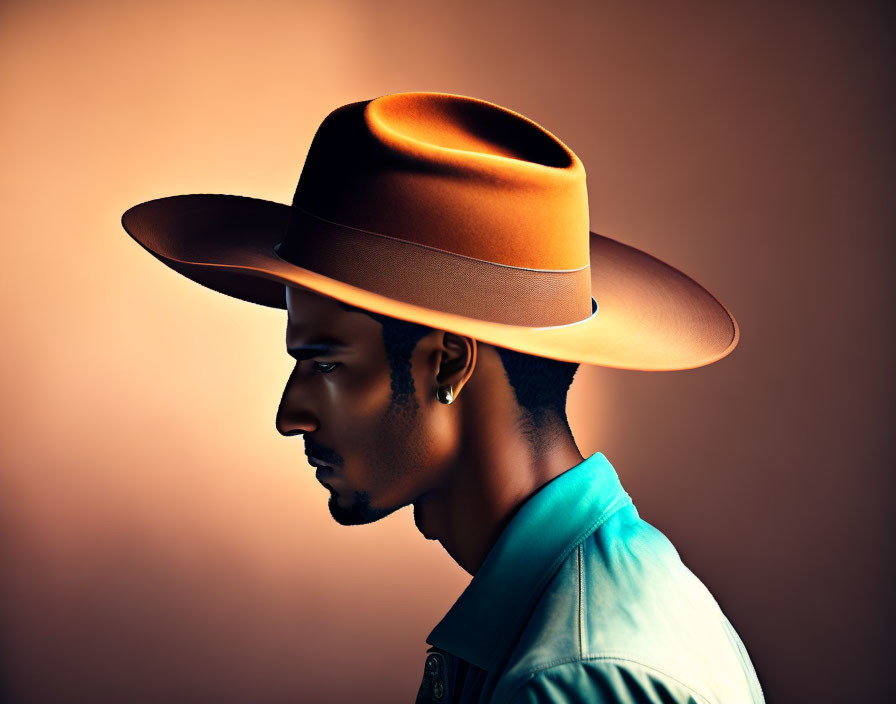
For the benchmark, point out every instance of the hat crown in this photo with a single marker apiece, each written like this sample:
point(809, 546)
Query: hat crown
point(453, 173)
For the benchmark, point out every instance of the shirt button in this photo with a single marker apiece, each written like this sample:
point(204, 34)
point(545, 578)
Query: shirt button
point(432, 665)
point(438, 690)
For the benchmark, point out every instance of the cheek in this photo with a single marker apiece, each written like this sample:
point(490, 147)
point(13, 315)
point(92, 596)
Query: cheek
point(414, 449)
point(396, 460)
point(353, 403)
point(362, 395)
point(357, 418)
point(400, 444)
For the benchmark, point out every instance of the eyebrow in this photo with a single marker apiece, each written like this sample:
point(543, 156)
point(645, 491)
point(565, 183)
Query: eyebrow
point(314, 348)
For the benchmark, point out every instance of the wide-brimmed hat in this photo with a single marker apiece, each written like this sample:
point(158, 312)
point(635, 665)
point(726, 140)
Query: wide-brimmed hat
point(455, 213)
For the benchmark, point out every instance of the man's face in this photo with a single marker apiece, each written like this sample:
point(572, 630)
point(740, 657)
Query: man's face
point(379, 455)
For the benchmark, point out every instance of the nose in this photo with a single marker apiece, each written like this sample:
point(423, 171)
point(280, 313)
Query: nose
point(294, 417)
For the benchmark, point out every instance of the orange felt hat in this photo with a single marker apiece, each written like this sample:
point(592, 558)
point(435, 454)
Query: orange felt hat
point(455, 213)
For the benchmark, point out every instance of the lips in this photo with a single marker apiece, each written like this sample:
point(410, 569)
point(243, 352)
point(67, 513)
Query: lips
point(314, 462)
point(322, 474)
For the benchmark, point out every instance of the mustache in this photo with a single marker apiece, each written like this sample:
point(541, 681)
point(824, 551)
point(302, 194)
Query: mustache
point(323, 453)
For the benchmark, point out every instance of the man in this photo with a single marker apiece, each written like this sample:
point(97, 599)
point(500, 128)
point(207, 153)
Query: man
point(441, 287)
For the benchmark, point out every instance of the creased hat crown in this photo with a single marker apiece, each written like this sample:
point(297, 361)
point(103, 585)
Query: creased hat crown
point(450, 172)
point(456, 175)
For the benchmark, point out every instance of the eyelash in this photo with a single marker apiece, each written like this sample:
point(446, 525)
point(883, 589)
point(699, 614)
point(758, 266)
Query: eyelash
point(330, 367)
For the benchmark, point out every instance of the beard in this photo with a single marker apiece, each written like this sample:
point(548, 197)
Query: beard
point(359, 512)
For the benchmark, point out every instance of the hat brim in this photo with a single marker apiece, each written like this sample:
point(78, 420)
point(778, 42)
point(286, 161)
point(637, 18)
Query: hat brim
point(651, 316)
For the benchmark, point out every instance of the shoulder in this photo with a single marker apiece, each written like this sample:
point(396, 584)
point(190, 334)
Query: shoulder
point(604, 679)
point(622, 611)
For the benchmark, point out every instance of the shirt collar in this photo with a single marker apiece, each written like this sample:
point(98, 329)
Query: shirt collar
point(490, 614)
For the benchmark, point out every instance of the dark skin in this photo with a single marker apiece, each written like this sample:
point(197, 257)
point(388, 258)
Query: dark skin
point(465, 467)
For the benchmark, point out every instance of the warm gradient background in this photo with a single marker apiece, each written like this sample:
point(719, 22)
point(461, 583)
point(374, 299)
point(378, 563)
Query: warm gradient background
point(161, 543)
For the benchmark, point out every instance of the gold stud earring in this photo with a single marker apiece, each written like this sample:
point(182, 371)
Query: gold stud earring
point(445, 394)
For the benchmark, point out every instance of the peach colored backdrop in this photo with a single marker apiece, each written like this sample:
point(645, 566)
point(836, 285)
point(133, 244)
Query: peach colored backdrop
point(160, 542)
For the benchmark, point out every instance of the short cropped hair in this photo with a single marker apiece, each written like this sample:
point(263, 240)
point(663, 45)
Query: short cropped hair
point(539, 384)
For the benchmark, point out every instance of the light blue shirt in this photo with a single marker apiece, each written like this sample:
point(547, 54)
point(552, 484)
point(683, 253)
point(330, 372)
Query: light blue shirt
point(580, 600)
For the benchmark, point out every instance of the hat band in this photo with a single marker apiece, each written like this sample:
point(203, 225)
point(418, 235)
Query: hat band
point(433, 278)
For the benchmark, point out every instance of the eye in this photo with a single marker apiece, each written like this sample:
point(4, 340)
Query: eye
point(325, 367)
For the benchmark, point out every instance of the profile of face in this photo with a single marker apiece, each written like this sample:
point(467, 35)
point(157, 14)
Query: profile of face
point(373, 451)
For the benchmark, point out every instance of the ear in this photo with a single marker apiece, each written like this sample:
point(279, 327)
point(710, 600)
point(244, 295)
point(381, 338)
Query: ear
point(457, 360)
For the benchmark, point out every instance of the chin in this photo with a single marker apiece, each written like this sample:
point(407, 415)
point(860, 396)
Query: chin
point(359, 513)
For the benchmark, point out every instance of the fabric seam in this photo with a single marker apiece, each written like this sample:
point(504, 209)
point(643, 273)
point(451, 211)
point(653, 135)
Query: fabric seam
point(617, 505)
point(581, 559)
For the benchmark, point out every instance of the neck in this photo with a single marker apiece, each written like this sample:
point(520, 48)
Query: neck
point(501, 464)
